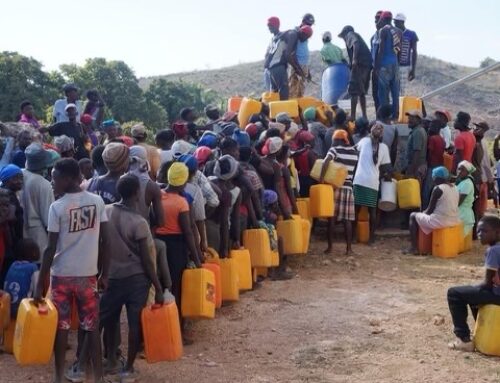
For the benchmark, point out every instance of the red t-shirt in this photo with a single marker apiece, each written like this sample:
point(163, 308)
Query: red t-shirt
point(435, 150)
point(466, 142)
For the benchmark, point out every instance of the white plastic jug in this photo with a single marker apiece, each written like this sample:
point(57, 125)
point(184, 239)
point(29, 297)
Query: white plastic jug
point(388, 196)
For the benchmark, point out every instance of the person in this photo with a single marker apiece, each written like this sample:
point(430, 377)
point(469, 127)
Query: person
point(360, 61)
point(71, 128)
point(12, 180)
point(24, 139)
point(37, 195)
point(435, 151)
point(273, 23)
point(214, 118)
point(304, 158)
point(374, 43)
point(467, 191)
point(487, 178)
point(342, 152)
point(140, 135)
point(87, 171)
point(110, 129)
point(78, 245)
point(487, 292)
point(339, 122)
point(408, 55)
point(164, 139)
point(361, 129)
point(465, 142)
point(330, 53)
point(59, 113)
point(384, 115)
point(416, 148)
point(95, 107)
point(318, 130)
point(441, 212)
point(374, 161)
point(386, 63)
point(131, 273)
point(65, 146)
point(299, 60)
point(28, 114)
point(88, 128)
point(188, 116)
point(22, 276)
point(97, 161)
point(444, 117)
point(116, 160)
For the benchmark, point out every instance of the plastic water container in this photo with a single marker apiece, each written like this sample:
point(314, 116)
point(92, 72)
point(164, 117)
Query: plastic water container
point(407, 104)
point(322, 203)
point(35, 332)
point(446, 242)
point(268, 97)
point(162, 333)
point(335, 173)
point(4, 310)
point(468, 242)
point(424, 243)
point(388, 196)
point(363, 231)
point(275, 258)
point(258, 244)
point(363, 215)
point(408, 194)
point(308, 102)
point(212, 256)
point(234, 103)
point(334, 83)
point(306, 235)
point(215, 268)
point(487, 331)
point(448, 161)
point(291, 232)
point(248, 107)
point(304, 208)
point(229, 276)
point(8, 337)
point(321, 113)
point(243, 262)
point(198, 294)
point(289, 106)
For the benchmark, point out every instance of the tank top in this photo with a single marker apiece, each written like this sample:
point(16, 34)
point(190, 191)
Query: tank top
point(447, 205)
point(388, 55)
point(105, 188)
point(18, 283)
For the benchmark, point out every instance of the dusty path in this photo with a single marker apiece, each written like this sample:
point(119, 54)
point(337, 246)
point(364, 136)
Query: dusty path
point(376, 318)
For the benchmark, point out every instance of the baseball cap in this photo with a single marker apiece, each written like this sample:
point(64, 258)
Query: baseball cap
point(346, 30)
point(444, 113)
point(386, 15)
point(483, 125)
point(307, 30)
point(415, 113)
point(69, 106)
point(400, 17)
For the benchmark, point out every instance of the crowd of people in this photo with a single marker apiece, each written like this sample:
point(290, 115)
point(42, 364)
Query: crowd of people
point(389, 63)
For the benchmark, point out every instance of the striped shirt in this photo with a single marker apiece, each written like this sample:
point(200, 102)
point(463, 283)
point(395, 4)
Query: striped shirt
point(347, 156)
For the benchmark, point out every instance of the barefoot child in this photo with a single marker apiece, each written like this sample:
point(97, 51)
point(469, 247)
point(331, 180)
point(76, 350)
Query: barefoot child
point(78, 243)
point(488, 292)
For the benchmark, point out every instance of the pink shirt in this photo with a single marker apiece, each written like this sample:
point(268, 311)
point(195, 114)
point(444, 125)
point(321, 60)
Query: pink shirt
point(29, 120)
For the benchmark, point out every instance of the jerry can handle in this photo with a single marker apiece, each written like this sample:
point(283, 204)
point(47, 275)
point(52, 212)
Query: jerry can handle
point(156, 306)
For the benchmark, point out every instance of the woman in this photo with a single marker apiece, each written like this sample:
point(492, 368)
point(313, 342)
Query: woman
point(435, 152)
point(466, 189)
point(441, 212)
point(374, 161)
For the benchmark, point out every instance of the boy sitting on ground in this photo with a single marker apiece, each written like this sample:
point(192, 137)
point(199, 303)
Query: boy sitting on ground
point(488, 292)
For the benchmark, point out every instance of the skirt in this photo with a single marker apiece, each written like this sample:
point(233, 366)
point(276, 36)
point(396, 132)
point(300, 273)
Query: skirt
point(344, 204)
point(364, 196)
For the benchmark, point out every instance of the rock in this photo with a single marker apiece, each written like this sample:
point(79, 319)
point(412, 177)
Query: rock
point(374, 322)
point(377, 330)
point(209, 364)
point(326, 262)
point(438, 320)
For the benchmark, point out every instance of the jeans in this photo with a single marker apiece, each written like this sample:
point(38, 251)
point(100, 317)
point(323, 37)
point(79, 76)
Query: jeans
point(459, 297)
point(388, 83)
point(279, 80)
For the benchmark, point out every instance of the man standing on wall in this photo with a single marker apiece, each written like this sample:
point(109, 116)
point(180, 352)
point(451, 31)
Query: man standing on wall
point(408, 55)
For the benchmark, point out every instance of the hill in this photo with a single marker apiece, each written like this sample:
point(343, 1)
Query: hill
point(480, 97)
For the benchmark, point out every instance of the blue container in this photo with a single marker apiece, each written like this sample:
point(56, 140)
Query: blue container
point(334, 83)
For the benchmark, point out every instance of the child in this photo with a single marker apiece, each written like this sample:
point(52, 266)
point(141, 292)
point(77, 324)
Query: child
point(488, 292)
point(87, 171)
point(78, 243)
point(22, 276)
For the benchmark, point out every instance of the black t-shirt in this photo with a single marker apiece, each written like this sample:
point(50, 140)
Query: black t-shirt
point(364, 55)
point(74, 131)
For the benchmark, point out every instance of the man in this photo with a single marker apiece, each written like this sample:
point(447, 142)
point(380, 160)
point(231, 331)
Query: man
point(188, 115)
point(214, 118)
point(276, 60)
point(444, 117)
point(318, 130)
point(11, 178)
point(139, 133)
point(297, 41)
point(71, 128)
point(273, 23)
point(465, 142)
point(374, 43)
point(111, 131)
point(416, 149)
point(28, 114)
point(408, 55)
point(330, 53)
point(360, 60)
point(386, 63)
point(164, 140)
point(37, 194)
point(59, 113)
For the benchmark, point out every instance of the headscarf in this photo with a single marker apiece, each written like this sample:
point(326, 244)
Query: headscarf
point(283, 118)
point(278, 125)
point(115, 156)
point(180, 129)
point(190, 161)
point(202, 154)
point(180, 147)
point(341, 134)
point(272, 146)
point(139, 165)
point(269, 197)
point(231, 172)
point(252, 130)
point(108, 124)
point(86, 119)
point(310, 113)
point(242, 138)
point(228, 128)
point(440, 172)
point(64, 143)
point(9, 172)
point(304, 136)
point(468, 166)
point(293, 130)
point(177, 174)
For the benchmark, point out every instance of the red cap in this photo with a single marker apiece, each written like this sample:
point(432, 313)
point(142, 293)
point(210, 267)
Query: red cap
point(307, 30)
point(129, 141)
point(386, 15)
point(273, 21)
point(86, 119)
point(202, 154)
point(304, 136)
point(252, 130)
point(444, 113)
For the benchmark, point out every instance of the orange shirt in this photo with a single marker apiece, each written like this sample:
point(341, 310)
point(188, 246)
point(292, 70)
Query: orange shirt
point(173, 205)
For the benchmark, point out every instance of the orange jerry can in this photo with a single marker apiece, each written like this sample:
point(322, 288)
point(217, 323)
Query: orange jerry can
point(291, 232)
point(446, 242)
point(35, 332)
point(321, 201)
point(244, 265)
point(306, 235)
point(448, 161)
point(363, 231)
point(8, 337)
point(268, 97)
point(424, 242)
point(229, 276)
point(233, 104)
point(291, 107)
point(162, 333)
point(198, 294)
point(258, 244)
point(363, 215)
point(248, 107)
point(215, 268)
point(304, 208)
point(4, 310)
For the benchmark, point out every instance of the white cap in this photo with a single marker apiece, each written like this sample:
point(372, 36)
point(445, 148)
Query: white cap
point(400, 17)
point(70, 105)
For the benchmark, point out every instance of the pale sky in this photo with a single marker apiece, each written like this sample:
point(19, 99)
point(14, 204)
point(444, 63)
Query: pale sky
point(157, 37)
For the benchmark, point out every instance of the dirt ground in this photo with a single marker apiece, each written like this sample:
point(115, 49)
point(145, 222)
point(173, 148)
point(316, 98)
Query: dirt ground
point(378, 317)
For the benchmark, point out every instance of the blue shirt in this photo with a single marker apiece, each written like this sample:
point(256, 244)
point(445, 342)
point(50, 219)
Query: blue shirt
point(389, 56)
point(18, 283)
point(302, 52)
point(492, 262)
point(409, 37)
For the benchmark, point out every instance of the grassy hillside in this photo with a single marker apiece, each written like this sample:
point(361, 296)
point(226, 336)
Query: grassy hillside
point(480, 97)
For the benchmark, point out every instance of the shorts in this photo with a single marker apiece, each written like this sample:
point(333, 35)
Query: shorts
point(359, 81)
point(84, 291)
point(344, 204)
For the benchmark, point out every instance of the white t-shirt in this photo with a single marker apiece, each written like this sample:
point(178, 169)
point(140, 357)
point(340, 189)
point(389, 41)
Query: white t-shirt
point(166, 156)
point(59, 112)
point(77, 218)
point(367, 173)
point(446, 134)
